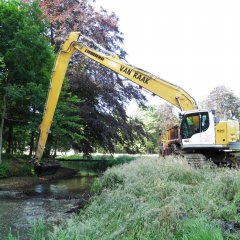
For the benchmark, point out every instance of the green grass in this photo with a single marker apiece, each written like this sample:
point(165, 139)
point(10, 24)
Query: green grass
point(159, 199)
point(39, 232)
point(16, 168)
point(105, 160)
point(98, 157)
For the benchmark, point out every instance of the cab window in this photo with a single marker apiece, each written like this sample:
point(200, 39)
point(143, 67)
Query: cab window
point(204, 121)
point(194, 123)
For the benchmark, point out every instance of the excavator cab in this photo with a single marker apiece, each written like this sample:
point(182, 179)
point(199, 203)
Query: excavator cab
point(197, 129)
point(194, 123)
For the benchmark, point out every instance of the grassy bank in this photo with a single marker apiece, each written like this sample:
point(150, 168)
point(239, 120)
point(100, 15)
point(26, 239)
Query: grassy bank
point(159, 199)
point(99, 157)
point(153, 199)
point(100, 161)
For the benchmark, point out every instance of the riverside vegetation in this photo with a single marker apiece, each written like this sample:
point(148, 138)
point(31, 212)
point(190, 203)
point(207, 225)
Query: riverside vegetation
point(15, 166)
point(20, 165)
point(152, 198)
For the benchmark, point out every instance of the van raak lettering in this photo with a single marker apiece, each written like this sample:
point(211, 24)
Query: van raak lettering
point(94, 54)
point(136, 74)
point(141, 77)
point(126, 70)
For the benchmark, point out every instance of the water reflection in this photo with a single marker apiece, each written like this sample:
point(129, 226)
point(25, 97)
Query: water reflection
point(50, 203)
point(86, 168)
point(38, 188)
point(64, 187)
point(20, 215)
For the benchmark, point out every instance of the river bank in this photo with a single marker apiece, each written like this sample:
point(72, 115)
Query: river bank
point(19, 182)
point(152, 198)
point(15, 174)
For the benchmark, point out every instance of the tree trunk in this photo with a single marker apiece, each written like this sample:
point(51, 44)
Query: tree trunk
point(47, 152)
point(10, 140)
point(55, 153)
point(52, 35)
point(31, 147)
point(2, 125)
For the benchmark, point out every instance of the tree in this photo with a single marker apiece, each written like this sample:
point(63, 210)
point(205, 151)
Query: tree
point(224, 102)
point(81, 15)
point(103, 94)
point(3, 76)
point(67, 127)
point(28, 59)
point(167, 117)
point(155, 119)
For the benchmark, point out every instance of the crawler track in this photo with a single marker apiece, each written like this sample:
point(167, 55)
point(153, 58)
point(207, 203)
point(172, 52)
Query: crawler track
point(196, 160)
point(199, 160)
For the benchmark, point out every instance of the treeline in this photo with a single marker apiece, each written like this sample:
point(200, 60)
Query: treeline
point(91, 113)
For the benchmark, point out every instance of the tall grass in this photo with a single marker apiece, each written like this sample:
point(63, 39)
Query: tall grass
point(39, 232)
point(159, 199)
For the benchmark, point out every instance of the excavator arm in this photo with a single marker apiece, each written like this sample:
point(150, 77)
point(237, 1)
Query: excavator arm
point(77, 42)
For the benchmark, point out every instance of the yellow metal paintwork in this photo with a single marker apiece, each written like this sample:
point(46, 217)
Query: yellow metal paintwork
point(154, 84)
point(227, 131)
point(221, 133)
point(55, 87)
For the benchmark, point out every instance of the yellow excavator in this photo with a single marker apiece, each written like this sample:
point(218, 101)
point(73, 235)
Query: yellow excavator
point(200, 135)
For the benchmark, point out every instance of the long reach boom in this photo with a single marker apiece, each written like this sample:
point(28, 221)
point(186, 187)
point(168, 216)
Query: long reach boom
point(77, 42)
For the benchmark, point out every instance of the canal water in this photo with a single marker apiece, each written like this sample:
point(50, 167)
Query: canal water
point(48, 202)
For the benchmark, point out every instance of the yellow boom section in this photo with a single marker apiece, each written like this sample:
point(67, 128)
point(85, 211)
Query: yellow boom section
point(170, 92)
point(55, 87)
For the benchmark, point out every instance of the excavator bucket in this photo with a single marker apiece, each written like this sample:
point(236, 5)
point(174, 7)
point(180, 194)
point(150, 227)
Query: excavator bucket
point(46, 168)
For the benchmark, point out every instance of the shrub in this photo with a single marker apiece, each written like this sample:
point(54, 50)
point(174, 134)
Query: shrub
point(4, 169)
point(26, 170)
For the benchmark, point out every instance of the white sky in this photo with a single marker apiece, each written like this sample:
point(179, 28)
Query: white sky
point(193, 44)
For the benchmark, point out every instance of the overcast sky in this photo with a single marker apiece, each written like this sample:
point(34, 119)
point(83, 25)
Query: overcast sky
point(193, 44)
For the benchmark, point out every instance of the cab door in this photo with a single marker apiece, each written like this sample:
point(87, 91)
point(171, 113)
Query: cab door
point(197, 130)
point(207, 128)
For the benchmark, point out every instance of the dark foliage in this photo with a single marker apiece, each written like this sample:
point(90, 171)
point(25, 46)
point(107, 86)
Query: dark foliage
point(103, 95)
point(28, 59)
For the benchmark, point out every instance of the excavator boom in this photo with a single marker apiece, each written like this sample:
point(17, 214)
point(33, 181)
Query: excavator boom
point(168, 91)
point(77, 42)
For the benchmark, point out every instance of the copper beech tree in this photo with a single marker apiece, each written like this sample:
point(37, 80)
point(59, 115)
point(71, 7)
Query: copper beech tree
point(103, 94)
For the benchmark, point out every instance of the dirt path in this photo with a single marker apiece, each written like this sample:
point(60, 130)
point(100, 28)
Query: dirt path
point(15, 183)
